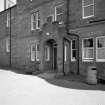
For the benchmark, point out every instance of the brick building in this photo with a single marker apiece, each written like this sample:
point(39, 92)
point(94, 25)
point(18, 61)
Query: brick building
point(65, 36)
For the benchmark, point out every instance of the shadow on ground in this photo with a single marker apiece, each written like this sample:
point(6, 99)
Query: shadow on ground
point(72, 82)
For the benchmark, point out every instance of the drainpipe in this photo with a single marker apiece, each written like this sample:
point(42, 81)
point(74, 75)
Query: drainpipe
point(10, 37)
point(67, 31)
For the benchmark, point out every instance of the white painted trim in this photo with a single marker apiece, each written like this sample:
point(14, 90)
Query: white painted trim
point(8, 45)
point(48, 52)
point(87, 59)
point(36, 20)
point(98, 60)
point(85, 17)
point(56, 10)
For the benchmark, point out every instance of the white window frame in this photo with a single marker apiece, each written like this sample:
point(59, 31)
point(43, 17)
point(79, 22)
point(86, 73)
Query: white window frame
point(65, 53)
point(8, 20)
point(98, 60)
point(56, 12)
point(83, 58)
point(8, 45)
point(83, 16)
point(37, 19)
point(73, 59)
point(47, 49)
point(34, 54)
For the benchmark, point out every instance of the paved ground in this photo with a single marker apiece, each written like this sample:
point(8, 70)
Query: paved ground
point(18, 89)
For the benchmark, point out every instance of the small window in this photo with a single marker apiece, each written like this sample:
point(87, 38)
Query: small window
point(35, 21)
point(8, 20)
point(100, 48)
point(8, 45)
point(73, 50)
point(87, 8)
point(47, 53)
point(65, 53)
point(87, 49)
point(35, 52)
point(59, 13)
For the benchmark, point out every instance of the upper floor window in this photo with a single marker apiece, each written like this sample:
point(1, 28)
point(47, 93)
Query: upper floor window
point(87, 8)
point(59, 13)
point(35, 21)
point(8, 20)
point(100, 48)
point(87, 49)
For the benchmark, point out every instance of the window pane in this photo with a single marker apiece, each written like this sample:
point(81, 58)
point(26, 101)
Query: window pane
point(101, 53)
point(88, 42)
point(34, 25)
point(60, 18)
point(73, 44)
point(88, 11)
point(37, 55)
point(88, 2)
point(101, 42)
point(60, 9)
point(73, 54)
point(88, 53)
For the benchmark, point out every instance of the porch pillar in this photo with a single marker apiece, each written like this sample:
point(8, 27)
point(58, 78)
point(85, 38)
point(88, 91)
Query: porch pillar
point(60, 58)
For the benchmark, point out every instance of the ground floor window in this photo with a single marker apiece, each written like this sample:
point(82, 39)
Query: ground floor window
point(100, 48)
point(35, 52)
point(47, 53)
point(73, 50)
point(87, 49)
point(8, 45)
point(65, 53)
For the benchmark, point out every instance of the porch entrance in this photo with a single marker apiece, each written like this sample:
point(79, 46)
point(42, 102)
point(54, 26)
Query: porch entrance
point(50, 55)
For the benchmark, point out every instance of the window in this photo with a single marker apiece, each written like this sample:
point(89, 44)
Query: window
point(100, 48)
point(73, 50)
point(59, 13)
point(35, 21)
point(8, 20)
point(35, 52)
point(87, 49)
point(87, 8)
point(8, 45)
point(47, 53)
point(65, 53)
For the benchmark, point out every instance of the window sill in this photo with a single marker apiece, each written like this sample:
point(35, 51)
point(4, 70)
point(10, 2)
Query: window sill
point(87, 60)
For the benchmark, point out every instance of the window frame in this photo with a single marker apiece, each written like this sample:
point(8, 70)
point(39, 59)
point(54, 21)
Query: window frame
point(37, 19)
point(57, 6)
point(83, 11)
point(8, 20)
point(35, 44)
point(83, 58)
point(7, 45)
point(47, 50)
point(65, 52)
point(73, 59)
point(98, 60)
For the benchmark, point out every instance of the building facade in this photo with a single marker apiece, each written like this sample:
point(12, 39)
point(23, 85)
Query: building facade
point(63, 36)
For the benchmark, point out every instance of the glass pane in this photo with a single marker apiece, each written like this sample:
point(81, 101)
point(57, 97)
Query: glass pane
point(88, 2)
point(60, 17)
point(37, 55)
point(37, 47)
point(38, 23)
point(101, 42)
point(88, 11)
point(88, 42)
point(101, 53)
point(73, 44)
point(60, 9)
point(73, 54)
point(88, 53)
point(34, 17)
point(34, 25)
